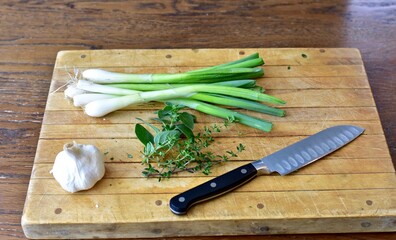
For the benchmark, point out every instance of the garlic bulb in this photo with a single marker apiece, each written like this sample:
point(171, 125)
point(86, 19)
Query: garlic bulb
point(78, 167)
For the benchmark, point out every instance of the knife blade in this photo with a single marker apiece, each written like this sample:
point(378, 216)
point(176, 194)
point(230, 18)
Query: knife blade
point(284, 161)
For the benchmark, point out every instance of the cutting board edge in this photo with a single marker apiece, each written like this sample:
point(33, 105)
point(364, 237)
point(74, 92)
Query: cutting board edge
point(211, 228)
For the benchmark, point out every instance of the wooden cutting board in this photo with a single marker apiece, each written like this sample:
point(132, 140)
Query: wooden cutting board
point(351, 190)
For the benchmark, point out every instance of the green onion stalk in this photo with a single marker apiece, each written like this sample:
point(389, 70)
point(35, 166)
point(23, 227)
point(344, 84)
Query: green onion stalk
point(93, 91)
point(102, 107)
point(231, 84)
point(240, 69)
point(215, 75)
point(224, 113)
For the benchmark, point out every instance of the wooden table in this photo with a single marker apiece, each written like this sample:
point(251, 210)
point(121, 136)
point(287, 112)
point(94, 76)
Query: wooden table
point(33, 32)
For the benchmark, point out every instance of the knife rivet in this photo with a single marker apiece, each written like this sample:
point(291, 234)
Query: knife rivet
point(213, 184)
point(243, 171)
point(182, 199)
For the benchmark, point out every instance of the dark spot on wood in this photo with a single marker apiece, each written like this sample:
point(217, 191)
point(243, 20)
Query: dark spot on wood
point(365, 224)
point(93, 47)
point(58, 211)
point(112, 159)
point(369, 202)
point(264, 229)
point(260, 206)
point(156, 231)
point(111, 184)
point(157, 6)
point(71, 5)
point(241, 52)
point(322, 50)
point(158, 202)
point(168, 56)
point(288, 67)
point(83, 56)
point(304, 55)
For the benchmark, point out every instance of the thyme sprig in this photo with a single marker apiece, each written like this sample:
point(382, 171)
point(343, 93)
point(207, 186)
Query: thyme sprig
point(175, 147)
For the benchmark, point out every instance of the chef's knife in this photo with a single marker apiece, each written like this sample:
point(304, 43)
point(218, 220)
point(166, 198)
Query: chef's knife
point(283, 161)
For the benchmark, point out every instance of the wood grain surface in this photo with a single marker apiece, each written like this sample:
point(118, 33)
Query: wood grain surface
point(34, 31)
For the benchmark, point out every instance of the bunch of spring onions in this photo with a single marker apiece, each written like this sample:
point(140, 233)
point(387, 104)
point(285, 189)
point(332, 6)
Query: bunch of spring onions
point(101, 92)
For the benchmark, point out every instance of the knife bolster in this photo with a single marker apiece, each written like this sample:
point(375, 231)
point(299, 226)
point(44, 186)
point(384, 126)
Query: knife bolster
point(261, 169)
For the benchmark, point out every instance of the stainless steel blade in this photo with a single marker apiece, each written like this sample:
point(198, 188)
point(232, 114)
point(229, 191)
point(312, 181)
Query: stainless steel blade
point(308, 150)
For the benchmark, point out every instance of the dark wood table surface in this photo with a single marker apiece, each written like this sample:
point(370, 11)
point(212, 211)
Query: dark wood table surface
point(32, 32)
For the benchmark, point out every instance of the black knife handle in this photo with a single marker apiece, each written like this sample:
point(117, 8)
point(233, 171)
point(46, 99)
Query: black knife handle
point(179, 204)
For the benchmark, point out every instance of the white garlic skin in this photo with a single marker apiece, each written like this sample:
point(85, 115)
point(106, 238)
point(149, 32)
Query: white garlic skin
point(78, 167)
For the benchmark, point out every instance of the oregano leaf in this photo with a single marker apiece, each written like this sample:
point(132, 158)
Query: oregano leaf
point(156, 130)
point(143, 134)
point(185, 130)
point(161, 137)
point(187, 119)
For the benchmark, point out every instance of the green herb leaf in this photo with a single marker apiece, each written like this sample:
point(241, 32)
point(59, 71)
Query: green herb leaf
point(185, 130)
point(240, 147)
point(149, 149)
point(163, 113)
point(232, 154)
point(156, 130)
point(187, 119)
point(143, 135)
point(162, 137)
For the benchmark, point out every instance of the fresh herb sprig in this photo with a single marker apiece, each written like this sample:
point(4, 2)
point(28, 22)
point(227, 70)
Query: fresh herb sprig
point(175, 147)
